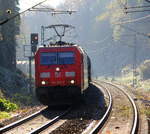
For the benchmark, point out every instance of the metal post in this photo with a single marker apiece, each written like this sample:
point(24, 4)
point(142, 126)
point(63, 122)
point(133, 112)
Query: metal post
point(134, 63)
point(113, 69)
point(42, 35)
point(30, 74)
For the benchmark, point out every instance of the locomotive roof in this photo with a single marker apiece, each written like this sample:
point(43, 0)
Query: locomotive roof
point(63, 46)
point(55, 46)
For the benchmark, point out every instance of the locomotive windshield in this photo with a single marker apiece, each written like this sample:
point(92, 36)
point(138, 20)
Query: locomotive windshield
point(57, 58)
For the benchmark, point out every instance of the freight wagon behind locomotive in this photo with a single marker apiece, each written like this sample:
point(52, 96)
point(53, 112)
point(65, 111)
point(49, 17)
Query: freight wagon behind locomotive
point(62, 73)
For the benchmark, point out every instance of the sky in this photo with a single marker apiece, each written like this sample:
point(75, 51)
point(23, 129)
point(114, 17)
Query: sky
point(25, 4)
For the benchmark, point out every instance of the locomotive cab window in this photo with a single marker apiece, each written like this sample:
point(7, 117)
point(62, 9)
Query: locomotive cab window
point(48, 58)
point(66, 58)
point(57, 58)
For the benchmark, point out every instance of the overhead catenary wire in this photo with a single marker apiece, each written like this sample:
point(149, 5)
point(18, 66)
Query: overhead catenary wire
point(18, 14)
point(136, 32)
point(129, 10)
point(131, 21)
point(61, 21)
point(138, 6)
point(133, 11)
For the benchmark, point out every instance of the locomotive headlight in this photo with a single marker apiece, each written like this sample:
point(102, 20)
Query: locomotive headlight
point(57, 69)
point(43, 82)
point(72, 81)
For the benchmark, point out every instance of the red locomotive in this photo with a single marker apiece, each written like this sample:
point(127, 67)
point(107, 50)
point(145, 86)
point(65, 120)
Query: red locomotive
point(62, 73)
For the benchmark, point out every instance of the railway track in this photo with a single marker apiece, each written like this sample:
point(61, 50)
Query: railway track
point(131, 122)
point(95, 126)
point(124, 116)
point(43, 122)
point(87, 113)
point(19, 122)
point(49, 123)
point(121, 116)
point(135, 116)
point(34, 123)
point(143, 121)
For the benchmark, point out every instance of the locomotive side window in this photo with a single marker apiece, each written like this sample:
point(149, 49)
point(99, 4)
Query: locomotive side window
point(48, 58)
point(66, 58)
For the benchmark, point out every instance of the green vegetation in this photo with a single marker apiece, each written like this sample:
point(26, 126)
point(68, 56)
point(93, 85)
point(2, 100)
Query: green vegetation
point(124, 110)
point(4, 115)
point(115, 11)
point(23, 100)
point(142, 76)
point(127, 79)
point(14, 93)
point(142, 91)
point(147, 111)
point(6, 105)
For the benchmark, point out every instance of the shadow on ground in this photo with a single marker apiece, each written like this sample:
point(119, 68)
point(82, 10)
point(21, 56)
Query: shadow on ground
point(91, 106)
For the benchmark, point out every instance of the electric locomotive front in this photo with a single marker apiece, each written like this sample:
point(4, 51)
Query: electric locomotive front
point(59, 74)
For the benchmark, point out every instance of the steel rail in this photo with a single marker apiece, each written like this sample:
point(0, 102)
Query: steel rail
point(101, 123)
point(49, 123)
point(19, 122)
point(135, 109)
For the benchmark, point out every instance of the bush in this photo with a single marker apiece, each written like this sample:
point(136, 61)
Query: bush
point(145, 70)
point(4, 115)
point(23, 100)
point(6, 105)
